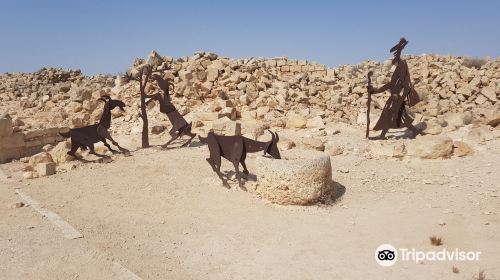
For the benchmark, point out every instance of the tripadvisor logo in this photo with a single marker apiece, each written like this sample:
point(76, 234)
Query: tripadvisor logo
point(388, 255)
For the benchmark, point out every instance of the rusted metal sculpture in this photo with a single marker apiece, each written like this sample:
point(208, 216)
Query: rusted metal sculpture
point(368, 104)
point(235, 149)
point(143, 76)
point(394, 114)
point(180, 126)
point(85, 137)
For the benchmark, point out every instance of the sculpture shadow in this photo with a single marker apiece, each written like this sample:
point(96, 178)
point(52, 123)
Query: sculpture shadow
point(329, 198)
point(179, 143)
point(227, 175)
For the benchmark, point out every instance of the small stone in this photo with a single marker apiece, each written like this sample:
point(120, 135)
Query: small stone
point(42, 157)
point(157, 129)
point(296, 121)
point(313, 143)
point(17, 204)
point(28, 175)
point(285, 144)
point(343, 170)
point(442, 223)
point(462, 149)
point(46, 169)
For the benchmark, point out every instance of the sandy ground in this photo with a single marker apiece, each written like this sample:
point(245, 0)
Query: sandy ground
point(163, 214)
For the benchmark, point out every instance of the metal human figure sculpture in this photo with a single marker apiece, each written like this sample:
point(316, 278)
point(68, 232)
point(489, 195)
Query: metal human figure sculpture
point(85, 137)
point(235, 149)
point(394, 114)
point(180, 126)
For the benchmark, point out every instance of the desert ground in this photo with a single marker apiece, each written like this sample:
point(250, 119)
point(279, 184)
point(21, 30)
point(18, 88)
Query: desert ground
point(164, 214)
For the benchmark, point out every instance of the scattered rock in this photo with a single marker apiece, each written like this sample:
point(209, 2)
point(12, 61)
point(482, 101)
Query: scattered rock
point(42, 157)
point(334, 150)
point(479, 135)
point(45, 169)
point(17, 204)
point(462, 149)
point(285, 144)
point(313, 143)
point(316, 122)
point(296, 121)
point(430, 147)
point(157, 129)
point(28, 175)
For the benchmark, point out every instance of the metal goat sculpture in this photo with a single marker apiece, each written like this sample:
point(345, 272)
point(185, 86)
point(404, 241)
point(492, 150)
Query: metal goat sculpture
point(235, 149)
point(180, 126)
point(85, 137)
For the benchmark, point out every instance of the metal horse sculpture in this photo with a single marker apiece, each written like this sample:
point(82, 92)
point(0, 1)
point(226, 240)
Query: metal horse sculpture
point(394, 114)
point(235, 149)
point(180, 126)
point(85, 137)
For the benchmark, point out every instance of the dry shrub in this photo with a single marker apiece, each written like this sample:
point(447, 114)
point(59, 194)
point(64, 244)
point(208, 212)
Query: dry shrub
point(471, 62)
point(436, 241)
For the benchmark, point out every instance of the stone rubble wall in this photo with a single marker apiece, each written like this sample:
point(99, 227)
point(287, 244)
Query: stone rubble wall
point(214, 91)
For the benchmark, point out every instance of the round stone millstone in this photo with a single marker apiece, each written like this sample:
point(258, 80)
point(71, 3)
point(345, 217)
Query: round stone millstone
point(300, 177)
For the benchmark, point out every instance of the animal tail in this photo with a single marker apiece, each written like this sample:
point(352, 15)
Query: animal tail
point(65, 134)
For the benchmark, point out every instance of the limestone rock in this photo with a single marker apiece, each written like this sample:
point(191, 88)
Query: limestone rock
point(42, 157)
point(313, 143)
point(300, 177)
point(157, 129)
point(225, 126)
point(479, 135)
point(458, 119)
point(45, 169)
point(285, 144)
point(296, 121)
point(432, 128)
point(5, 126)
point(462, 149)
point(430, 147)
point(333, 149)
point(60, 152)
point(316, 122)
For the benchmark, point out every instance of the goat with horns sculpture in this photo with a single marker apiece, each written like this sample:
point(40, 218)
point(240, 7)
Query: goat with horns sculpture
point(235, 149)
point(180, 126)
point(85, 137)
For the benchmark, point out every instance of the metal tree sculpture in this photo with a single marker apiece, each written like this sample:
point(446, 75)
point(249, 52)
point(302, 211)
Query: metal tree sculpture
point(142, 72)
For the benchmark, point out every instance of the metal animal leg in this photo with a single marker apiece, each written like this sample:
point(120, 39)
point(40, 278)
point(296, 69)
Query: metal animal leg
point(104, 133)
point(238, 175)
point(92, 151)
point(171, 140)
point(187, 131)
point(191, 135)
point(108, 146)
point(74, 148)
point(245, 170)
point(216, 169)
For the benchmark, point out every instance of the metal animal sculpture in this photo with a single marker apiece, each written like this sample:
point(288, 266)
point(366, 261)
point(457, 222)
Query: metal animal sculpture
point(394, 114)
point(235, 149)
point(85, 137)
point(180, 126)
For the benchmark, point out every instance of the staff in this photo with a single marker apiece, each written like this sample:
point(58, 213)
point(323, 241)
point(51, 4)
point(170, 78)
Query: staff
point(368, 103)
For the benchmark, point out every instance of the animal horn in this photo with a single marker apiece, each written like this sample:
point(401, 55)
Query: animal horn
point(272, 135)
point(277, 137)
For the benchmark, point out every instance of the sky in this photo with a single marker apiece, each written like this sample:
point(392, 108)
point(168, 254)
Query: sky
point(101, 37)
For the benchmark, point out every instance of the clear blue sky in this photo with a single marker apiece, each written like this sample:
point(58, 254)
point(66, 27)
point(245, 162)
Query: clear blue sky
point(105, 36)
